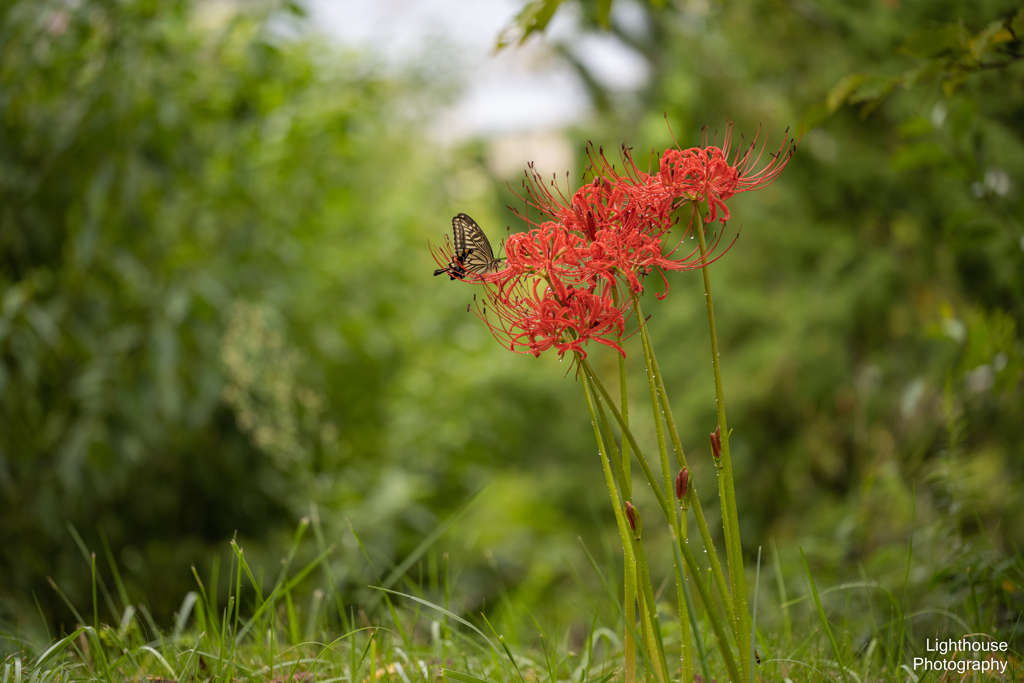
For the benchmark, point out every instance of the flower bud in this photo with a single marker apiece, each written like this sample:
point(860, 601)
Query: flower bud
point(682, 483)
point(635, 523)
point(716, 443)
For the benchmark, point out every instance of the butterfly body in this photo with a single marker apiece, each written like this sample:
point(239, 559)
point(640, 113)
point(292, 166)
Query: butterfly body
point(473, 252)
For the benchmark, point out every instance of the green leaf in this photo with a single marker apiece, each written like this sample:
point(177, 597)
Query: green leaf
point(842, 90)
point(1017, 25)
point(873, 88)
point(533, 18)
point(933, 42)
point(987, 39)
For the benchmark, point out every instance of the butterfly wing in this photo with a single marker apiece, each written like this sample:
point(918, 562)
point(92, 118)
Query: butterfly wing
point(472, 248)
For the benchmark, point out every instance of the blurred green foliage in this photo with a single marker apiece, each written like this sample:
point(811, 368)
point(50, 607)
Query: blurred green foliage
point(217, 310)
point(211, 266)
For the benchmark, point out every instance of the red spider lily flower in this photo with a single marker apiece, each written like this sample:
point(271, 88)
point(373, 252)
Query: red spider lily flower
point(621, 218)
point(532, 318)
point(642, 198)
point(589, 207)
point(570, 325)
point(550, 252)
point(627, 252)
point(602, 202)
point(705, 174)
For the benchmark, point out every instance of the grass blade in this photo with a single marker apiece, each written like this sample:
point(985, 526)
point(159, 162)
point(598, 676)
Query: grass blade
point(183, 614)
point(753, 621)
point(53, 584)
point(821, 615)
point(56, 647)
point(281, 588)
point(787, 626)
point(159, 658)
point(442, 610)
point(461, 677)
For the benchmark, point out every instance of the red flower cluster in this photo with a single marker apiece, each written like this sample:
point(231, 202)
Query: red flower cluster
point(705, 173)
point(571, 277)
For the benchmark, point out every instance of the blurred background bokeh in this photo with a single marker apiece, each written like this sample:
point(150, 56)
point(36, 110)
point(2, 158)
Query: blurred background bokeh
point(217, 314)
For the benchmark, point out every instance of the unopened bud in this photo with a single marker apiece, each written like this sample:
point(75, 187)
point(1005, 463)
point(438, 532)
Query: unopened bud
point(716, 443)
point(635, 523)
point(682, 483)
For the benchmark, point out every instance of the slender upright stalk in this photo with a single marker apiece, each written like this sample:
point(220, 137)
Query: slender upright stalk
point(625, 532)
point(730, 550)
point(629, 612)
point(729, 517)
point(650, 615)
point(691, 497)
point(716, 568)
point(644, 591)
point(685, 646)
point(684, 547)
point(685, 656)
point(659, 429)
point(641, 459)
point(624, 410)
point(629, 597)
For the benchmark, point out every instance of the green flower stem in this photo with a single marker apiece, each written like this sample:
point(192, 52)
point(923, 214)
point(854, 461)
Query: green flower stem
point(723, 587)
point(692, 498)
point(685, 656)
point(624, 410)
point(613, 451)
point(691, 611)
point(685, 647)
point(634, 591)
point(691, 561)
point(644, 590)
point(652, 611)
point(625, 532)
point(651, 479)
point(647, 633)
point(730, 521)
point(629, 602)
point(630, 589)
point(730, 556)
point(716, 622)
point(659, 429)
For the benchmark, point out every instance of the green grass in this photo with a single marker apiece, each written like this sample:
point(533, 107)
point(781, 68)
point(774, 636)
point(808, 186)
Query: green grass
point(859, 631)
